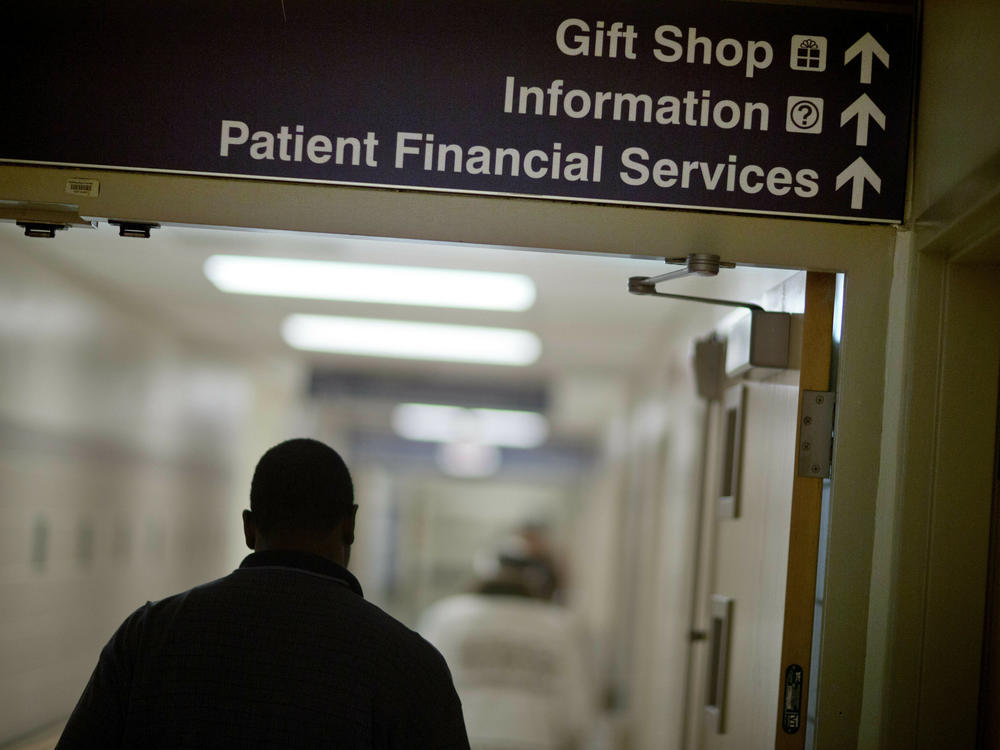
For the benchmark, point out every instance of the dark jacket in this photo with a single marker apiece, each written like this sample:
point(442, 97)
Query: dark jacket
point(282, 653)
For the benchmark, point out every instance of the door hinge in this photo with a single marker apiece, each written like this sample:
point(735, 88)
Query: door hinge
point(815, 452)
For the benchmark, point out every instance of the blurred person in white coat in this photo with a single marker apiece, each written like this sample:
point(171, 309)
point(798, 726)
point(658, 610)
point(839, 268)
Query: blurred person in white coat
point(518, 660)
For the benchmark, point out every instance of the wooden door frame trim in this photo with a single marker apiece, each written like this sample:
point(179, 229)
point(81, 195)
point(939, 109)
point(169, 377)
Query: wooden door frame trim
point(806, 511)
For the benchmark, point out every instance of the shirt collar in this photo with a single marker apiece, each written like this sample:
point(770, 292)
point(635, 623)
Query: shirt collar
point(305, 561)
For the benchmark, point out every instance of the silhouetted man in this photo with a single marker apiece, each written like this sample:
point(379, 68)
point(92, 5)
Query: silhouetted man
point(282, 653)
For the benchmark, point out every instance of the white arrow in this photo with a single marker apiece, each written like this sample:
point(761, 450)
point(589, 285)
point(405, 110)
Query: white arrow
point(858, 173)
point(868, 48)
point(864, 109)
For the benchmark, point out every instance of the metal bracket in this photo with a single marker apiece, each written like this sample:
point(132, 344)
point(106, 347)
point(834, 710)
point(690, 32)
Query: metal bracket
point(138, 229)
point(815, 453)
point(41, 229)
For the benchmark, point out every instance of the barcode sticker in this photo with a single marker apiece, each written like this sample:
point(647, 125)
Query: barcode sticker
point(83, 186)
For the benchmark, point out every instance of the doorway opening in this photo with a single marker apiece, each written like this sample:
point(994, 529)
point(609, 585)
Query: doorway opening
point(156, 384)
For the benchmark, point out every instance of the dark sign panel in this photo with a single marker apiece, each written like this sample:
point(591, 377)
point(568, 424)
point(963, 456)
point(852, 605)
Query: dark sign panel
point(703, 104)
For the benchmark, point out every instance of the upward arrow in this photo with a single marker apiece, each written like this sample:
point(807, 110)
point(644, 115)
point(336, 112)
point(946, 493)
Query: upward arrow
point(868, 48)
point(864, 109)
point(858, 173)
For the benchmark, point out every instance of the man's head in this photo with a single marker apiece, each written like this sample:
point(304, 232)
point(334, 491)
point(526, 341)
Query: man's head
point(301, 498)
point(514, 569)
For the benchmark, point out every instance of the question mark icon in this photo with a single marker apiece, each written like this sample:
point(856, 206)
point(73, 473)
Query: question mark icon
point(805, 114)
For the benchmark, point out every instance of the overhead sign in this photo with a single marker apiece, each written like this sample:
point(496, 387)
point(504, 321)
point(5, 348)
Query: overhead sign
point(702, 104)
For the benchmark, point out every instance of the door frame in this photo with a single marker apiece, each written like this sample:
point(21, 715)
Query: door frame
point(930, 569)
point(864, 253)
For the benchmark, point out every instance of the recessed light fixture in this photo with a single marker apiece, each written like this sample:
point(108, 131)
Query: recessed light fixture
point(455, 424)
point(409, 340)
point(365, 282)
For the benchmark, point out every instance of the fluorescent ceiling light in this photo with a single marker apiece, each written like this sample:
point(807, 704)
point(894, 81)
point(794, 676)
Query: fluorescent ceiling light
point(468, 460)
point(364, 282)
point(455, 424)
point(409, 340)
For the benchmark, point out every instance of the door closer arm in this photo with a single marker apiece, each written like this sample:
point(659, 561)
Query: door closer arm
point(767, 340)
point(696, 264)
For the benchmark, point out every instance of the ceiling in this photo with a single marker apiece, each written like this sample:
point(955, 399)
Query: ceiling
point(595, 335)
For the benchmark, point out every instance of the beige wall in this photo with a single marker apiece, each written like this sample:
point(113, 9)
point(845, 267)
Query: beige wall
point(928, 576)
point(120, 452)
point(958, 109)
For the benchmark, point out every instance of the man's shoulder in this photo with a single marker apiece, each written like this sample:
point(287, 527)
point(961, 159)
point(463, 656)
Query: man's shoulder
point(410, 644)
point(171, 602)
point(290, 593)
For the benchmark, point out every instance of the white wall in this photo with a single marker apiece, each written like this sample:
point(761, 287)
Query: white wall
point(633, 556)
point(121, 465)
